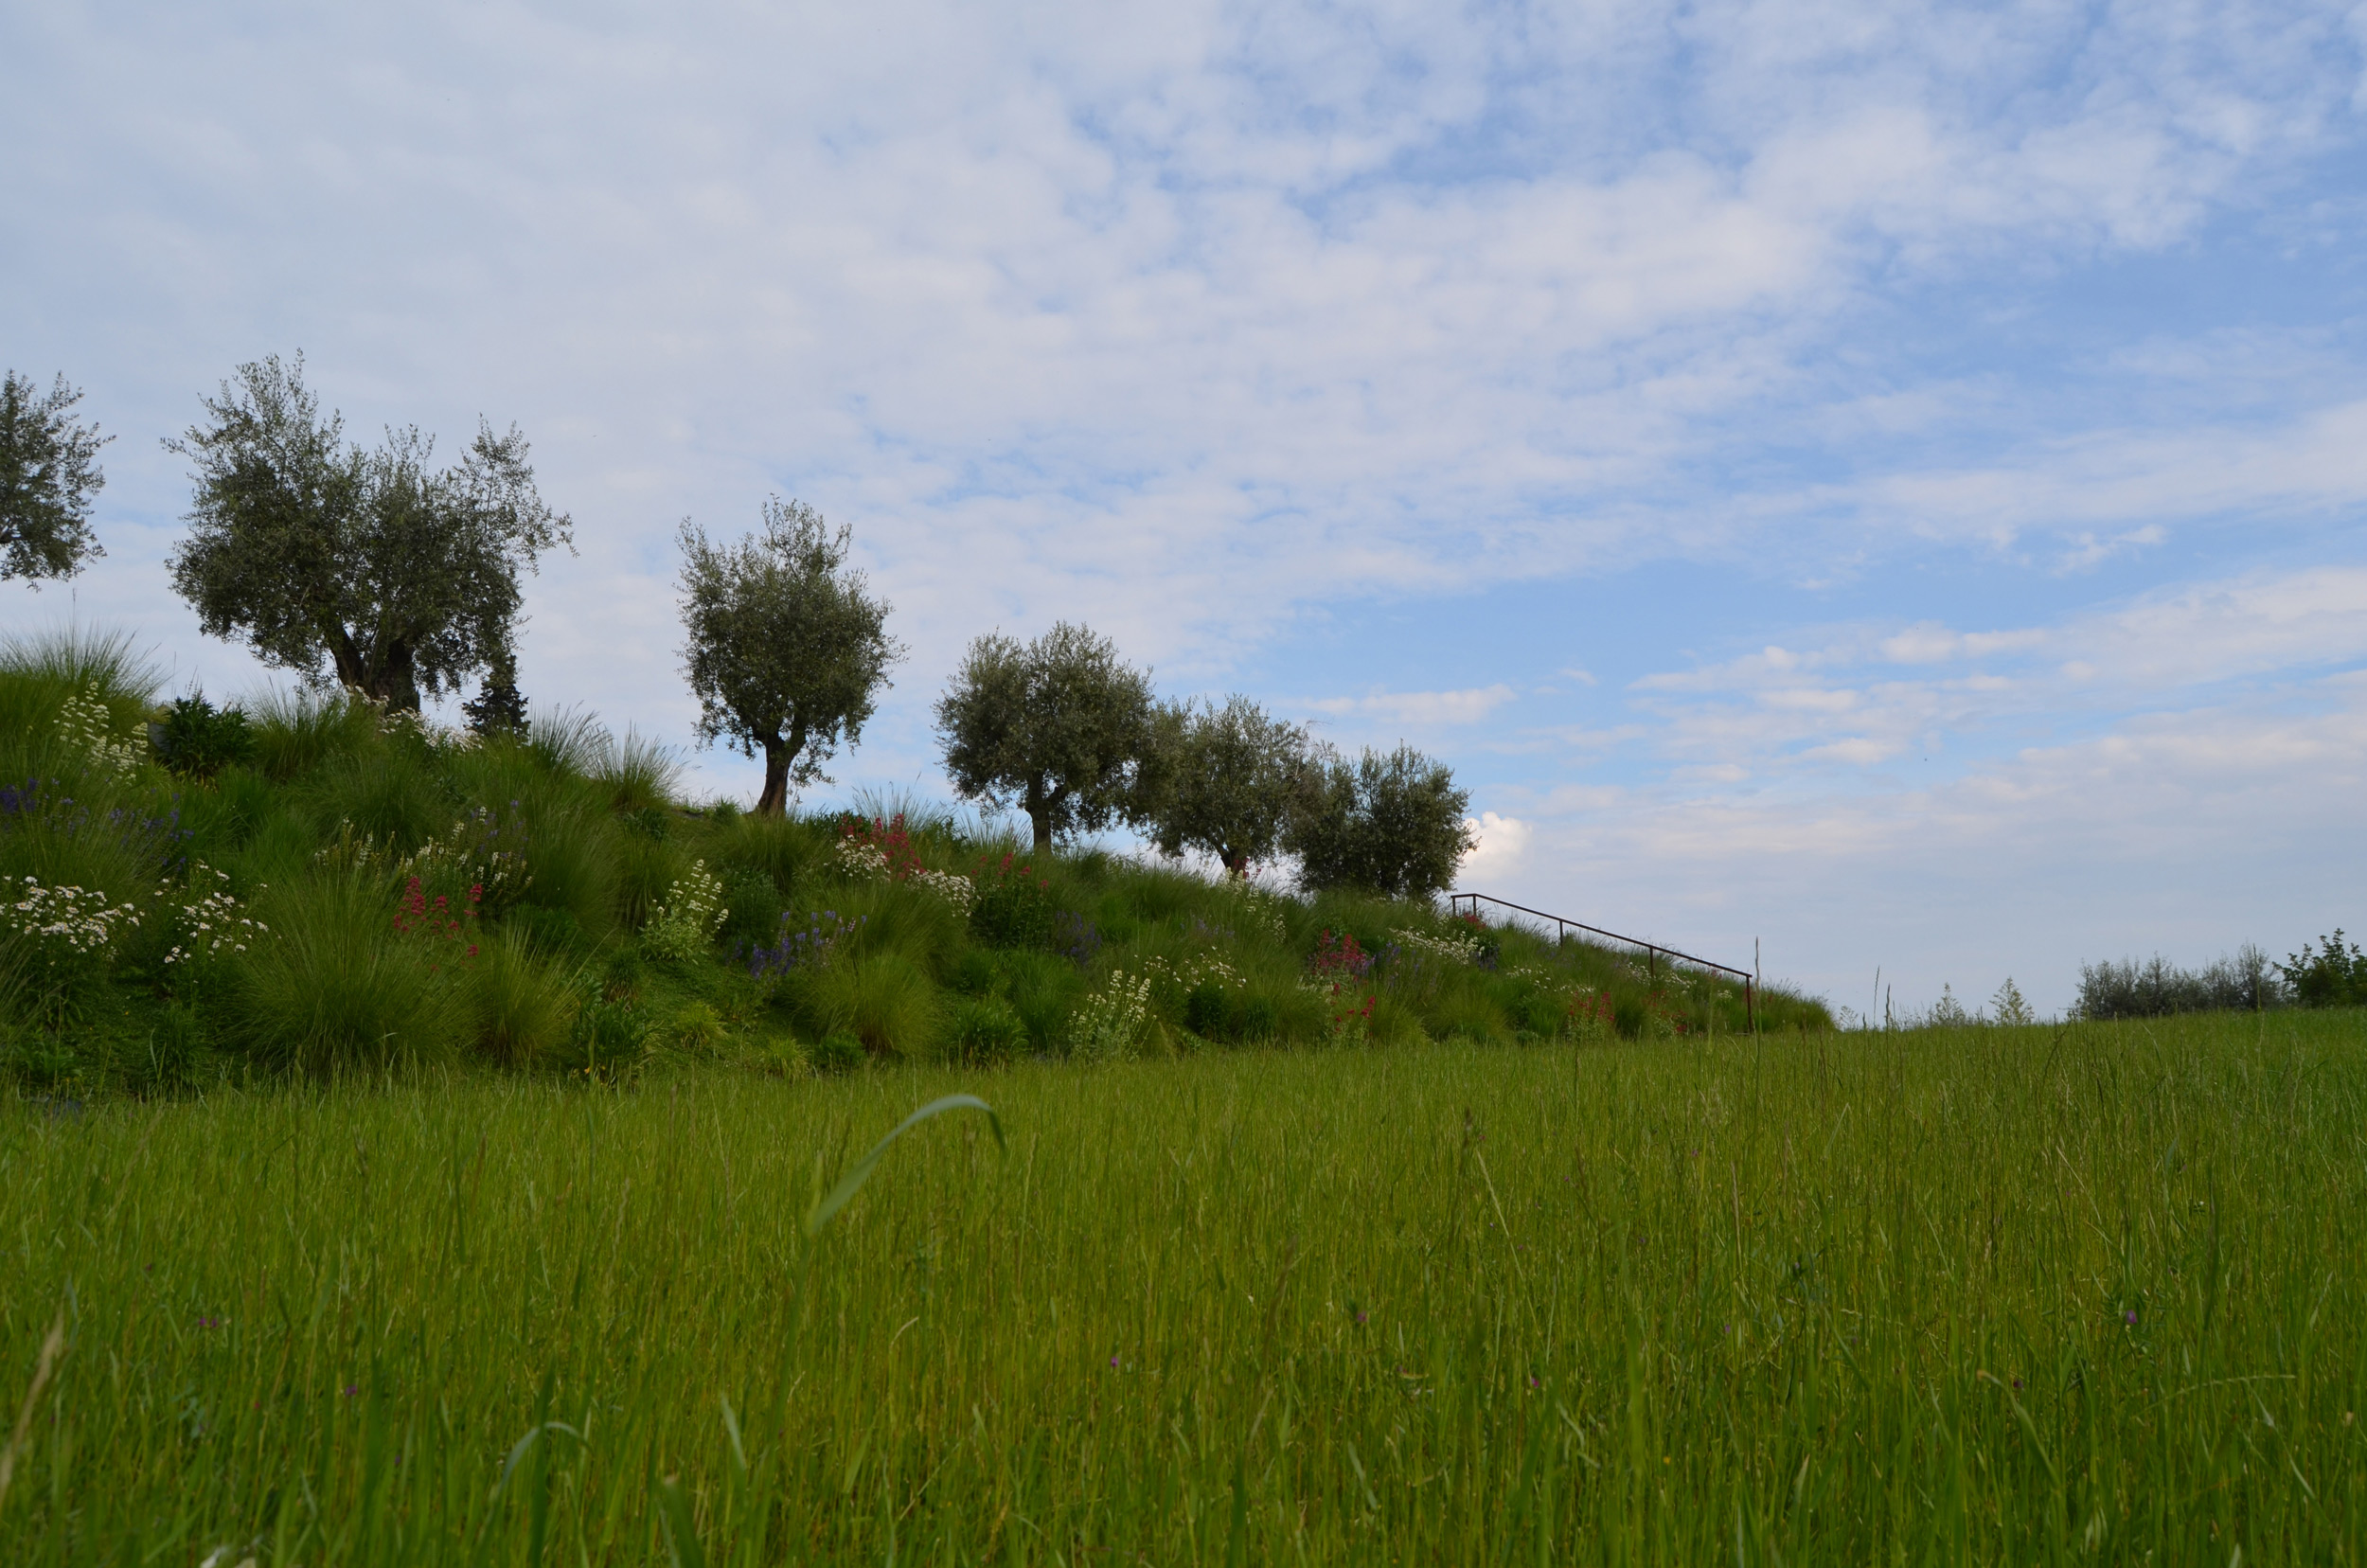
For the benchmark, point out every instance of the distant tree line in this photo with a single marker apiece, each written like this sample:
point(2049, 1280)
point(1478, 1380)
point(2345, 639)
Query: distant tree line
point(379, 571)
point(2329, 973)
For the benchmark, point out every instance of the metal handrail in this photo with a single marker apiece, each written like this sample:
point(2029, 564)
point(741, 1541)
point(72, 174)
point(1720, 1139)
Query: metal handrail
point(1563, 926)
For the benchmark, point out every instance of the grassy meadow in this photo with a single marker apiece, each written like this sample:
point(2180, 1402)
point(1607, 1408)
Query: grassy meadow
point(2089, 1292)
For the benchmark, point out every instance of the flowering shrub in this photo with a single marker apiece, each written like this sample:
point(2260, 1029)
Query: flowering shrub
point(211, 921)
point(1459, 949)
point(1260, 908)
point(86, 725)
point(69, 919)
point(810, 948)
point(680, 928)
point(1111, 1023)
point(482, 848)
point(1339, 958)
point(437, 925)
point(1014, 907)
point(882, 851)
point(68, 933)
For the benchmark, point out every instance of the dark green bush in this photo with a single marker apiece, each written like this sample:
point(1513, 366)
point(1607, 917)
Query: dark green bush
point(196, 739)
point(837, 1052)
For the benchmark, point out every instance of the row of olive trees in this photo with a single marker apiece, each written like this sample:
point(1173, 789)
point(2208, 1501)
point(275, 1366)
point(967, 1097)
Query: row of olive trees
point(376, 570)
point(788, 649)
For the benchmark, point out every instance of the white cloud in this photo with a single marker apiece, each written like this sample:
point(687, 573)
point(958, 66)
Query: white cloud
point(1502, 850)
point(1420, 707)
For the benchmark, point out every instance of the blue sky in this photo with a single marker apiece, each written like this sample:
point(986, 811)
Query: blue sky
point(1880, 480)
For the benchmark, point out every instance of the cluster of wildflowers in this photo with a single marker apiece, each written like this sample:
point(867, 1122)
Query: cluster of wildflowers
point(437, 920)
point(484, 846)
point(69, 919)
point(213, 922)
point(1260, 907)
point(352, 852)
point(1588, 1014)
point(1014, 908)
point(1111, 1023)
point(680, 928)
point(1340, 971)
point(882, 850)
point(403, 721)
point(1458, 949)
point(808, 947)
point(85, 722)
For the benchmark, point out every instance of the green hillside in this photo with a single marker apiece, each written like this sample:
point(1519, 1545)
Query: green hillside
point(314, 884)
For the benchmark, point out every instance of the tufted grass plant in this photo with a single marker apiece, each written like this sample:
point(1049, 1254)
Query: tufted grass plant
point(2024, 1295)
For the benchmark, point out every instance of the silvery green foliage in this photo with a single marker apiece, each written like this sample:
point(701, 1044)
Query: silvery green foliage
point(1229, 781)
point(787, 651)
point(1059, 729)
point(371, 568)
point(49, 472)
point(1389, 823)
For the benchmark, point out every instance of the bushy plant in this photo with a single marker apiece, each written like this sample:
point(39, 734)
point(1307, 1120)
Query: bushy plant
point(2334, 975)
point(1014, 907)
point(684, 927)
point(985, 1031)
point(1111, 1023)
point(837, 1052)
point(519, 1010)
point(196, 739)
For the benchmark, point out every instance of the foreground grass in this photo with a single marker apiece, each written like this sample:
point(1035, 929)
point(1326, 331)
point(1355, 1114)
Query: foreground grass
point(1990, 1294)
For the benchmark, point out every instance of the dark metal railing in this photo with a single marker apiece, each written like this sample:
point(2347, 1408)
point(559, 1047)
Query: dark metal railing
point(1563, 926)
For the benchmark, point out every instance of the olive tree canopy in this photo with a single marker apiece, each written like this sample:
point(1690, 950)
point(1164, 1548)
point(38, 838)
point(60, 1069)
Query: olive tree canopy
point(49, 472)
point(787, 651)
point(1057, 728)
point(1390, 822)
point(1230, 780)
point(371, 568)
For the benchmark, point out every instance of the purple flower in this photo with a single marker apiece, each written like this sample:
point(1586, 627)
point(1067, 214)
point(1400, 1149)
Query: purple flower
point(351, 1389)
point(2129, 1317)
point(1113, 1361)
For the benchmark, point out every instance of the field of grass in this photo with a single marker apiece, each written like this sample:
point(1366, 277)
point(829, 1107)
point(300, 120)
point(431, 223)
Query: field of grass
point(1987, 1294)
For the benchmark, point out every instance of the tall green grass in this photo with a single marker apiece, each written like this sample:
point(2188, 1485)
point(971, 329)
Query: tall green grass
point(1990, 1295)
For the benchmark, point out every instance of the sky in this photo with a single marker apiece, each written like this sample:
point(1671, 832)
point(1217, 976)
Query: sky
point(1879, 486)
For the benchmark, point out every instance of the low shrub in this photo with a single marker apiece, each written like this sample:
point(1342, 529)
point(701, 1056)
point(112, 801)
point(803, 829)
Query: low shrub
point(2155, 987)
point(196, 739)
point(1014, 907)
point(985, 1032)
point(837, 1052)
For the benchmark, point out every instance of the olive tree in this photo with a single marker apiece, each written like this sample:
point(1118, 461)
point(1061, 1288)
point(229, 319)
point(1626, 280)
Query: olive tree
point(1058, 728)
point(49, 472)
point(373, 567)
point(1230, 780)
point(787, 651)
point(1389, 823)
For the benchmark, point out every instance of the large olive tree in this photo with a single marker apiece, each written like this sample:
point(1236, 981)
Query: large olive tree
point(368, 567)
point(1230, 780)
point(1389, 823)
point(49, 472)
point(1058, 728)
point(788, 651)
